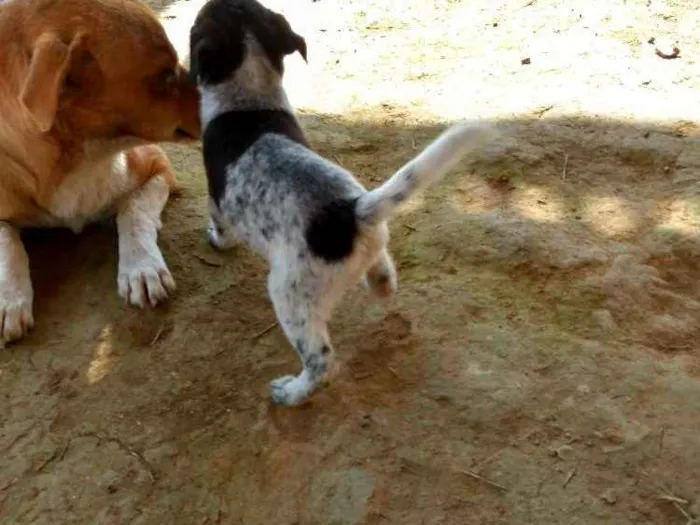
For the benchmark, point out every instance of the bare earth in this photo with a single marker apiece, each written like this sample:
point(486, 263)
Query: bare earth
point(540, 364)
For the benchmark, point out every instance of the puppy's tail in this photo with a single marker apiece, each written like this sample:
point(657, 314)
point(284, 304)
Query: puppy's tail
point(331, 233)
point(431, 165)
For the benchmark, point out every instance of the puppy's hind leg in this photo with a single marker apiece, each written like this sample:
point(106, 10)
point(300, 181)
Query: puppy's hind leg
point(381, 277)
point(307, 331)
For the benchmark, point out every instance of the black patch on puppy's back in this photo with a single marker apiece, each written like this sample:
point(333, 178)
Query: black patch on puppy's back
point(332, 231)
point(229, 135)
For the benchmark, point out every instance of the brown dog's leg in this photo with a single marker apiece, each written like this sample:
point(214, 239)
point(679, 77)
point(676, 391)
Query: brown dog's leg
point(16, 293)
point(146, 162)
point(143, 274)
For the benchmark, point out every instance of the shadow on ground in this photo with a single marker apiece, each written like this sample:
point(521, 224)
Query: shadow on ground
point(543, 339)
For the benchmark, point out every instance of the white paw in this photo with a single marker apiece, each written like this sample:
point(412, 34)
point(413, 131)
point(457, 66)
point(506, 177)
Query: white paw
point(219, 238)
point(289, 391)
point(16, 317)
point(145, 281)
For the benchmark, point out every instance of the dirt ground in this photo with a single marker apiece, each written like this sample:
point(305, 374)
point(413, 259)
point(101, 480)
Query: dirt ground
point(540, 364)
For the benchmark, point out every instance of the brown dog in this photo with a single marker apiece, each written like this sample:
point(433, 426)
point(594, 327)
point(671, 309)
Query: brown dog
point(85, 85)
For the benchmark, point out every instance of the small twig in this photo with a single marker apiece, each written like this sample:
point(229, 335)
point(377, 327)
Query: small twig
point(337, 160)
point(142, 460)
point(483, 479)
point(570, 477)
point(46, 461)
point(8, 484)
point(158, 334)
point(65, 449)
point(661, 439)
point(393, 371)
point(686, 515)
point(678, 503)
point(541, 111)
point(208, 262)
point(566, 163)
point(413, 143)
point(146, 465)
point(56, 455)
point(668, 54)
point(263, 332)
point(410, 228)
point(673, 499)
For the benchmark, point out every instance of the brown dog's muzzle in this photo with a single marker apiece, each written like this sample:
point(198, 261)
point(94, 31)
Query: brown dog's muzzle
point(190, 127)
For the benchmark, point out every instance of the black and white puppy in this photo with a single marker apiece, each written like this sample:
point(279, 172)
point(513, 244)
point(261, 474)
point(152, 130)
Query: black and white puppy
point(319, 229)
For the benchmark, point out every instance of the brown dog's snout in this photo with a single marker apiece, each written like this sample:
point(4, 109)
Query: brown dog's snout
point(189, 104)
point(183, 75)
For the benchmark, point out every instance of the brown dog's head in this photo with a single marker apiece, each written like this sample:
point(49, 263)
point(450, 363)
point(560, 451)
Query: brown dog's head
point(102, 69)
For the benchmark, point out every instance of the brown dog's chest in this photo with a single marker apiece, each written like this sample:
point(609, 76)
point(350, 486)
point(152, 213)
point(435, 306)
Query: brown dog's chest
point(89, 192)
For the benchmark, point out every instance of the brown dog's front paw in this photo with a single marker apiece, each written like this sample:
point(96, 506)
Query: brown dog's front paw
point(146, 281)
point(16, 317)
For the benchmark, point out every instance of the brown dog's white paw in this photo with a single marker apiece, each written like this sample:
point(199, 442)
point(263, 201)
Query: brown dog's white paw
point(16, 317)
point(146, 280)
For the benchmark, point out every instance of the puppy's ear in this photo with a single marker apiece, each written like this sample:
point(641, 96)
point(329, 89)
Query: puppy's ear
point(278, 39)
point(289, 41)
point(297, 43)
point(200, 56)
point(213, 59)
point(50, 62)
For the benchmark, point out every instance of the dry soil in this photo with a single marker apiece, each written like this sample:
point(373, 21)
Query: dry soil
point(540, 364)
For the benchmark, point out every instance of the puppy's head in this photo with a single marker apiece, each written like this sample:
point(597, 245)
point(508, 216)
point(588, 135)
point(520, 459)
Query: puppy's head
point(105, 69)
point(229, 35)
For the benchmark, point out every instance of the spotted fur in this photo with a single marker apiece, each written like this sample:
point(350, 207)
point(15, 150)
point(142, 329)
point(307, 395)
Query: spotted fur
point(321, 231)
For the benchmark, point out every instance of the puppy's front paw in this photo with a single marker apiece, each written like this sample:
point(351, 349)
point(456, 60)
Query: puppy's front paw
point(219, 238)
point(16, 317)
point(145, 280)
point(289, 391)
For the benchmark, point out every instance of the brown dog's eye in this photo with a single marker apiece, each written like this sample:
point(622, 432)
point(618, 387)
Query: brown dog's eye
point(169, 77)
point(165, 81)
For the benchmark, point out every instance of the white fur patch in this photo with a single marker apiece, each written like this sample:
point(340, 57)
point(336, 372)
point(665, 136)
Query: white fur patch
point(90, 192)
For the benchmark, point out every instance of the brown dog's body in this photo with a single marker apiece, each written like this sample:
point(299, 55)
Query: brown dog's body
point(85, 86)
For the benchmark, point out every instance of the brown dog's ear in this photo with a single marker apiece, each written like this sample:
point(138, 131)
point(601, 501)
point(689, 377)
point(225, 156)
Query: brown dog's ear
point(50, 62)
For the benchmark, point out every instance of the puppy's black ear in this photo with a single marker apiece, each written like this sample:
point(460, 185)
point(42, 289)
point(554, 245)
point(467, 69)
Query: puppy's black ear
point(194, 72)
point(289, 41)
point(213, 60)
point(277, 38)
point(202, 63)
point(297, 43)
